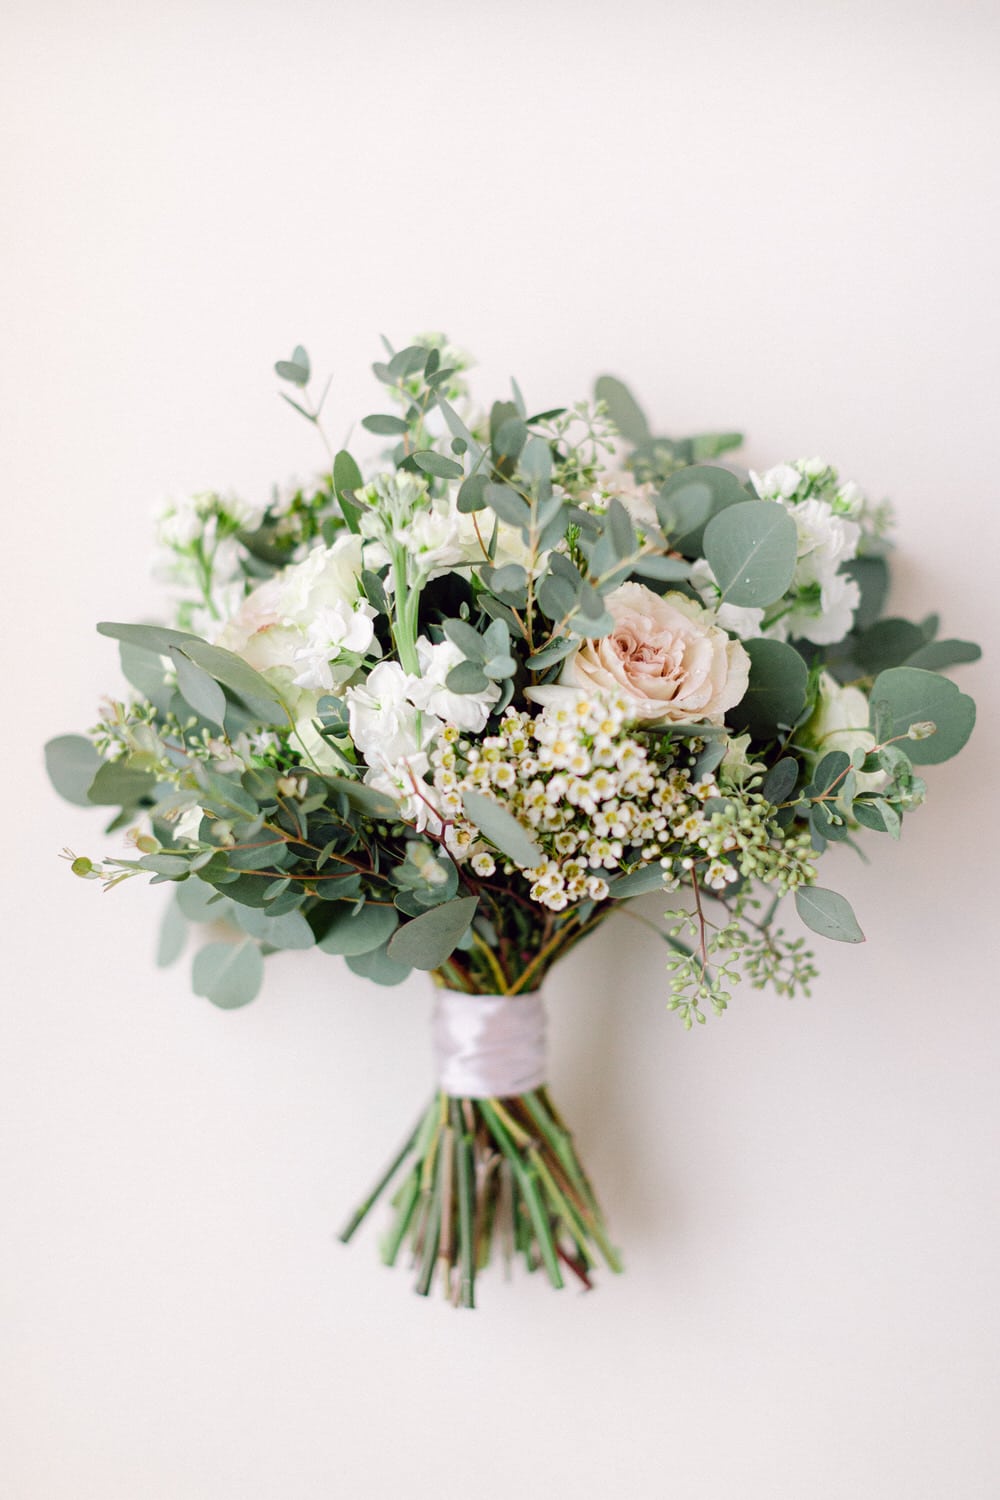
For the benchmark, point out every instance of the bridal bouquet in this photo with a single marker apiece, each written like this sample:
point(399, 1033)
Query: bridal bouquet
point(454, 710)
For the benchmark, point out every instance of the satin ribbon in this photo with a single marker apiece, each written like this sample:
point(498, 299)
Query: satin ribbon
point(488, 1046)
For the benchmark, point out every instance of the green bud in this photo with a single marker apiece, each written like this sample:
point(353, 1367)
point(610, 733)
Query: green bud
point(922, 730)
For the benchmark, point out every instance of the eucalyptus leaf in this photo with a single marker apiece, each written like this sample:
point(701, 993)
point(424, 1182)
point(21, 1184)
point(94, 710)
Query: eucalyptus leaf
point(502, 829)
point(117, 784)
point(779, 783)
point(385, 425)
point(172, 935)
point(378, 967)
point(428, 940)
point(350, 932)
point(227, 974)
point(828, 913)
point(934, 656)
point(288, 931)
point(912, 695)
point(442, 467)
point(637, 883)
point(776, 693)
point(72, 763)
point(623, 409)
point(751, 548)
point(198, 689)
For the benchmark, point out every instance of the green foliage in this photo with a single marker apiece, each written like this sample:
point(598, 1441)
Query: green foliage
point(427, 941)
point(914, 698)
point(72, 762)
point(828, 913)
point(501, 829)
point(229, 975)
point(751, 548)
point(776, 693)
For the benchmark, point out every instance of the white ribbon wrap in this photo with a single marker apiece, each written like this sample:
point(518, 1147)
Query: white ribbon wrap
point(488, 1046)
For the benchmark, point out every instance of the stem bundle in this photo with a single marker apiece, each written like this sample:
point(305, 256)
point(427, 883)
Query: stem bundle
point(479, 1173)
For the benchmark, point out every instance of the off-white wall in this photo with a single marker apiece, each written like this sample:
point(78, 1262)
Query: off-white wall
point(780, 215)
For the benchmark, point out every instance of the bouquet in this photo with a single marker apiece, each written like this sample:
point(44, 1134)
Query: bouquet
point(456, 709)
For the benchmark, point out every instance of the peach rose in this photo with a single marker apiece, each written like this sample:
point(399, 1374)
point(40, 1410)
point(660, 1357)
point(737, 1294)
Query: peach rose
point(666, 655)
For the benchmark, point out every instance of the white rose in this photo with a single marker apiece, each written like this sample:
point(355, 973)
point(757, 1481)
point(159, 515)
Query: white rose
point(840, 722)
point(666, 655)
point(271, 625)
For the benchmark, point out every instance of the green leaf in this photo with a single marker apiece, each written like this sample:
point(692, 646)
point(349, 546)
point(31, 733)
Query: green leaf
point(913, 696)
point(72, 762)
point(377, 967)
point(296, 369)
point(556, 597)
point(364, 798)
point(502, 829)
point(664, 569)
point(147, 637)
point(230, 975)
point(831, 767)
point(751, 548)
point(776, 694)
point(689, 498)
point(828, 913)
point(240, 678)
point(507, 505)
point(471, 644)
point(428, 940)
point(199, 901)
point(623, 408)
point(551, 654)
point(350, 932)
point(198, 689)
point(472, 494)
point(173, 934)
point(385, 425)
point(145, 672)
point(646, 878)
point(779, 783)
point(872, 577)
point(430, 462)
point(936, 655)
point(288, 931)
point(347, 478)
point(466, 677)
point(888, 643)
point(120, 785)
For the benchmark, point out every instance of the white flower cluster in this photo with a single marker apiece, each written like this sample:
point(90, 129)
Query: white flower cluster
point(396, 716)
point(821, 602)
point(431, 533)
point(594, 797)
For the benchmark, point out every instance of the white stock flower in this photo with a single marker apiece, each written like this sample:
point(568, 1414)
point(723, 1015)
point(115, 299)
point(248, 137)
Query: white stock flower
point(825, 541)
point(385, 725)
point(777, 483)
point(429, 691)
point(336, 630)
point(825, 620)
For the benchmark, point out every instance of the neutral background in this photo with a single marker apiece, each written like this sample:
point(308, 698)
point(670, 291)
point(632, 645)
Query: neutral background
point(778, 216)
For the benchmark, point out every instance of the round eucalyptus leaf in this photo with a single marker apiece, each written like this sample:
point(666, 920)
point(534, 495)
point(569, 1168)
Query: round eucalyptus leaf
point(912, 695)
point(72, 762)
point(350, 932)
point(377, 967)
point(776, 693)
point(427, 941)
point(751, 548)
point(228, 974)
